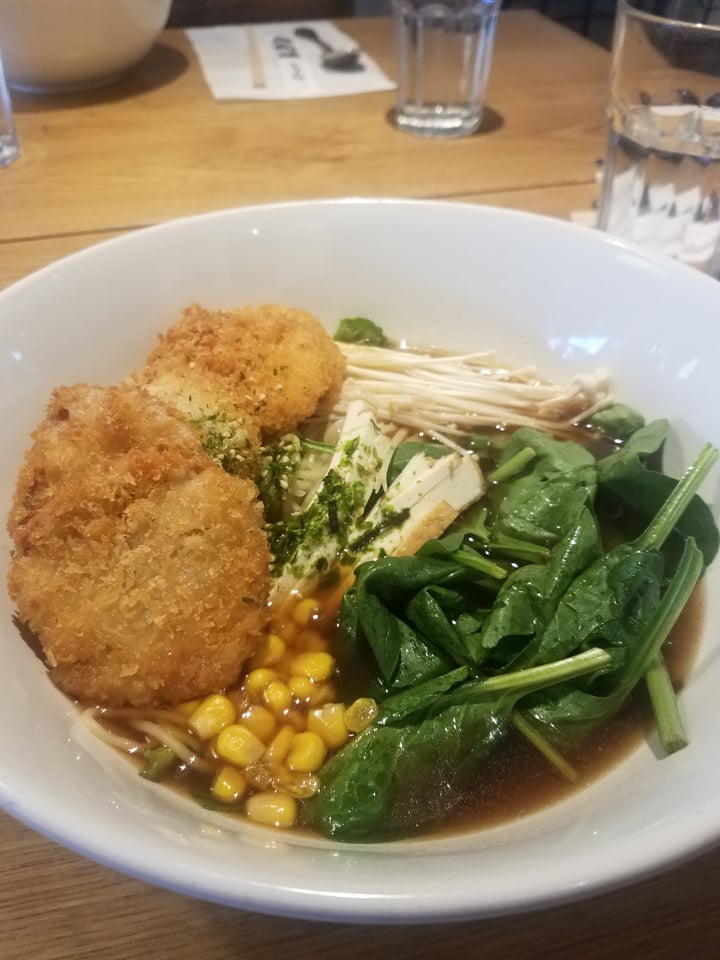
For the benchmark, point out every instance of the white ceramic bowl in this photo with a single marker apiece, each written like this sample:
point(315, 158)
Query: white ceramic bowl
point(63, 45)
point(538, 290)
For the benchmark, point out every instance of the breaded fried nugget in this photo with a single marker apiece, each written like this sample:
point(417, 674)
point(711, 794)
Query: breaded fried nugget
point(139, 563)
point(230, 435)
point(275, 363)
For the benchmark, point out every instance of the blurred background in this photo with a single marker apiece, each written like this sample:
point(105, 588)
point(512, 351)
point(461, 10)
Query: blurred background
point(591, 18)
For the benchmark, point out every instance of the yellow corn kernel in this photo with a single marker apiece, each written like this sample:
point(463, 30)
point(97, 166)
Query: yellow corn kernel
point(212, 715)
point(306, 611)
point(272, 809)
point(257, 680)
point(287, 631)
point(328, 723)
point(310, 641)
point(229, 784)
point(280, 744)
point(272, 649)
point(302, 688)
point(278, 697)
point(317, 666)
point(307, 753)
point(239, 745)
point(260, 721)
point(300, 785)
point(360, 714)
point(189, 707)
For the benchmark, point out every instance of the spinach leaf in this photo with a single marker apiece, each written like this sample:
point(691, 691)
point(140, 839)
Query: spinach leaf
point(375, 613)
point(568, 713)
point(434, 612)
point(473, 523)
point(611, 602)
point(528, 599)
point(372, 611)
point(542, 502)
point(617, 601)
point(421, 697)
point(409, 771)
point(608, 605)
point(645, 441)
point(627, 476)
point(393, 779)
point(402, 656)
point(618, 422)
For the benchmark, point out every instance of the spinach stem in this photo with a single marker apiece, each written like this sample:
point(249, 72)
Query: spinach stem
point(677, 594)
point(672, 510)
point(543, 745)
point(548, 674)
point(518, 549)
point(471, 558)
point(665, 706)
point(514, 465)
point(317, 445)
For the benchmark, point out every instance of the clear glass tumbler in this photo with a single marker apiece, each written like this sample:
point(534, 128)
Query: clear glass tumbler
point(661, 181)
point(444, 52)
point(9, 148)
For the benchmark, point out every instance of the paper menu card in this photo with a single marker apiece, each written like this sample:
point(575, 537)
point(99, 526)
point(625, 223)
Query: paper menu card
point(270, 62)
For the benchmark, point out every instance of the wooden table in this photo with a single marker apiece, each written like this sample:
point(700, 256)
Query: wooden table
point(157, 146)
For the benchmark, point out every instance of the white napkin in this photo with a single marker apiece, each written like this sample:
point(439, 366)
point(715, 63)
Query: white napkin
point(269, 62)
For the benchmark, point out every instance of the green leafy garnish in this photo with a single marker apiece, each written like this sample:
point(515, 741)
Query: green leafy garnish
point(361, 330)
point(159, 762)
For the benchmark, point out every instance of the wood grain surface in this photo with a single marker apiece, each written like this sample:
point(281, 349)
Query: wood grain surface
point(21, 257)
point(55, 905)
point(156, 146)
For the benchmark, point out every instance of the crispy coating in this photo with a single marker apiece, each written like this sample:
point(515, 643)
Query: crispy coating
point(230, 435)
point(275, 363)
point(140, 564)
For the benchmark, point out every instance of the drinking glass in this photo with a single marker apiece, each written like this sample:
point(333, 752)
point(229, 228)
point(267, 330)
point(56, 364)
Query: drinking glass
point(9, 148)
point(661, 180)
point(444, 52)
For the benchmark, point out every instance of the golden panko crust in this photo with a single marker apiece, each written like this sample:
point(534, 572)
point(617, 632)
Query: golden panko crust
point(276, 363)
point(229, 434)
point(139, 563)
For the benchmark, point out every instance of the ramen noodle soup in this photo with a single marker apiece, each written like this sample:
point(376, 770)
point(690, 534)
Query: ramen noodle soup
point(420, 592)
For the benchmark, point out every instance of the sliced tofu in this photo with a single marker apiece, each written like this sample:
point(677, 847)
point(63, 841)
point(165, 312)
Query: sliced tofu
point(360, 462)
point(432, 493)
